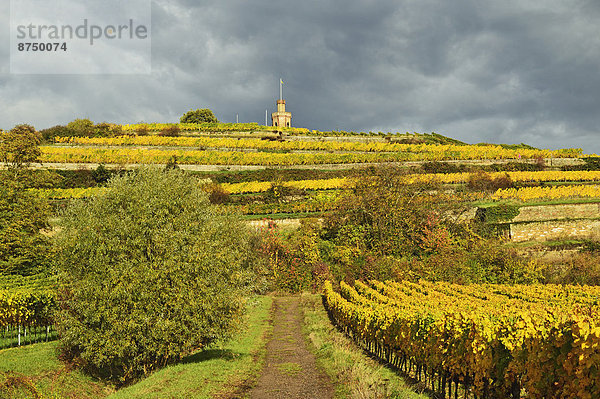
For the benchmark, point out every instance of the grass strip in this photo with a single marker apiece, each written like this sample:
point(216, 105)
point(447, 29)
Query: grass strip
point(223, 372)
point(34, 371)
point(354, 374)
point(218, 372)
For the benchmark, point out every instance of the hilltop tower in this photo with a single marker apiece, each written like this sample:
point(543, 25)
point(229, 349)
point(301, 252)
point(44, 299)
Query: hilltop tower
point(281, 118)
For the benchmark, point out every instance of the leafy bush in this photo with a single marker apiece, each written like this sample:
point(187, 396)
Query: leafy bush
point(580, 268)
point(199, 116)
point(482, 181)
point(278, 192)
point(24, 249)
point(170, 131)
point(107, 130)
point(19, 147)
point(150, 272)
point(81, 127)
point(56, 131)
point(172, 164)
point(101, 174)
point(515, 166)
point(442, 167)
point(292, 264)
point(590, 163)
point(216, 194)
point(142, 130)
point(385, 229)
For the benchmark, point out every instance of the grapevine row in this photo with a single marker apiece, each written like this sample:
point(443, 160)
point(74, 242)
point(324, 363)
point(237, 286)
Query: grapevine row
point(553, 192)
point(484, 340)
point(539, 176)
point(442, 151)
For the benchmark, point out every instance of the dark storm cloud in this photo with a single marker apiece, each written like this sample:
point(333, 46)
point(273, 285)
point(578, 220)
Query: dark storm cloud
point(512, 71)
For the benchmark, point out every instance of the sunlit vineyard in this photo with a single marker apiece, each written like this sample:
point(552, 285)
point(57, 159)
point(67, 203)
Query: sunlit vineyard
point(68, 193)
point(538, 176)
point(548, 193)
point(435, 151)
point(26, 309)
point(201, 157)
point(403, 152)
point(260, 186)
point(491, 340)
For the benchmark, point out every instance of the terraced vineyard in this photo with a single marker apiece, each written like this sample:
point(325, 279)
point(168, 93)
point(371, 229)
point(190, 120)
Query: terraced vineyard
point(485, 340)
point(203, 149)
point(320, 195)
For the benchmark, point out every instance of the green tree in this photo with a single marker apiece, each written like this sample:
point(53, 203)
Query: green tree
point(19, 147)
point(386, 216)
point(151, 272)
point(386, 228)
point(199, 116)
point(101, 174)
point(24, 249)
point(81, 127)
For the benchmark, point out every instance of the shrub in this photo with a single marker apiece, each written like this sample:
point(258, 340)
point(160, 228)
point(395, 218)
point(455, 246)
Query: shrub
point(172, 163)
point(590, 163)
point(19, 147)
point(56, 131)
point(199, 116)
point(142, 130)
point(442, 167)
point(514, 166)
point(171, 131)
point(24, 249)
point(286, 267)
point(482, 181)
point(80, 177)
point(150, 272)
point(580, 268)
point(102, 130)
point(101, 174)
point(216, 194)
point(81, 127)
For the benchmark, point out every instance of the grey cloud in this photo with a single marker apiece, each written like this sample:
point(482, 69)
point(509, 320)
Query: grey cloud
point(513, 71)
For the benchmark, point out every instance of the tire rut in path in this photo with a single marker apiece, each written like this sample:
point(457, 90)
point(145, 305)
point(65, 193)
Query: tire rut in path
point(290, 370)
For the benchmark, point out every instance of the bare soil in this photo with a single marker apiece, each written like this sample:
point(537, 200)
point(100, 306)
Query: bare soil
point(290, 370)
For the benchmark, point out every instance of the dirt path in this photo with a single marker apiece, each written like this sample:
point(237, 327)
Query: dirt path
point(290, 369)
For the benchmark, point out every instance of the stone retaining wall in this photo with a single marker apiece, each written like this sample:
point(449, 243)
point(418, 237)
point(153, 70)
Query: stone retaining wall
point(556, 212)
point(554, 230)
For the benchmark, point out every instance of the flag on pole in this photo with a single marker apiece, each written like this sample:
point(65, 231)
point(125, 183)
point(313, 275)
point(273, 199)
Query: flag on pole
point(280, 89)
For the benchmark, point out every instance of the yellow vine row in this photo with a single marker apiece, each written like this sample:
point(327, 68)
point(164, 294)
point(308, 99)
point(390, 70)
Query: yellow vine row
point(497, 340)
point(554, 192)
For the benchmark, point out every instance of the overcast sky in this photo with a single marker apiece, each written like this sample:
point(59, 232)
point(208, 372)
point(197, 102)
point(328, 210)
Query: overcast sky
point(506, 71)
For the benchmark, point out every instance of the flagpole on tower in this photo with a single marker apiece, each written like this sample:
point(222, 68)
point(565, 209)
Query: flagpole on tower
point(266, 115)
point(280, 89)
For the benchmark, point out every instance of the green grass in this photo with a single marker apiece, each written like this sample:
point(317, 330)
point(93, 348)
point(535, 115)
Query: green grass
point(9, 339)
point(290, 369)
point(220, 370)
point(355, 374)
point(38, 366)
